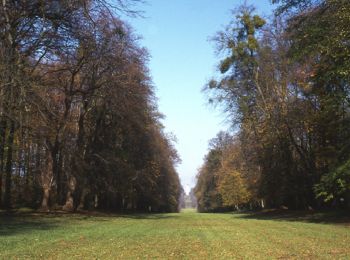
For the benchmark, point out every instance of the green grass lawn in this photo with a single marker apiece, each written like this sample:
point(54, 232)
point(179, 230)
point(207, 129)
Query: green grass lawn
point(188, 235)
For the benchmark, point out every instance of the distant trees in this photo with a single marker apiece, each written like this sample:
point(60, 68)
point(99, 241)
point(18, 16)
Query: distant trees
point(192, 200)
point(223, 182)
point(286, 87)
point(79, 126)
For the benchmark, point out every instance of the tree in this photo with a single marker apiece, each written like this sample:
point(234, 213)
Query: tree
point(233, 189)
point(222, 182)
point(285, 88)
point(79, 125)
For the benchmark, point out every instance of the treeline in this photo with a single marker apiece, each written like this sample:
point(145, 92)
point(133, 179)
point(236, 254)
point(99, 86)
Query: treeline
point(284, 85)
point(79, 125)
point(188, 200)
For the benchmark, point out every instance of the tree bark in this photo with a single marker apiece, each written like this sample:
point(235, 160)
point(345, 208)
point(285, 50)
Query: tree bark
point(2, 150)
point(58, 172)
point(69, 205)
point(8, 171)
point(96, 201)
point(82, 199)
point(262, 204)
point(45, 200)
point(46, 182)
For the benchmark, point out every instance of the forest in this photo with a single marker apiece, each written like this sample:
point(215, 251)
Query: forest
point(284, 88)
point(79, 123)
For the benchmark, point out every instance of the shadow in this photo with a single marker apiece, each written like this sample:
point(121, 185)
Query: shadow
point(16, 222)
point(154, 216)
point(323, 217)
point(11, 224)
point(100, 215)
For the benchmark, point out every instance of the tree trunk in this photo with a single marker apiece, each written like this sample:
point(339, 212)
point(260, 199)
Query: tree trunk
point(59, 181)
point(96, 201)
point(76, 164)
point(45, 200)
point(2, 150)
point(46, 182)
point(8, 172)
point(82, 199)
point(69, 205)
point(262, 204)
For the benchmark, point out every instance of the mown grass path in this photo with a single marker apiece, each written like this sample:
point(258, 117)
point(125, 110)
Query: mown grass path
point(187, 235)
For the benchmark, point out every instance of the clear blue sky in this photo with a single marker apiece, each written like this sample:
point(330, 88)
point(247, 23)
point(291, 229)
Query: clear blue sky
point(176, 33)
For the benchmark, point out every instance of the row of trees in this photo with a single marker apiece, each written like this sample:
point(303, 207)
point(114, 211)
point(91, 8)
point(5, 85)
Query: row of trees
point(188, 200)
point(223, 182)
point(285, 88)
point(79, 125)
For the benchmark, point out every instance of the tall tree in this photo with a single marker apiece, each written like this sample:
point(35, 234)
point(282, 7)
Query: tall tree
point(79, 125)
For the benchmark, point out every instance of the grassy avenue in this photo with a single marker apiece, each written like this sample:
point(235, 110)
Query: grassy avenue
point(187, 235)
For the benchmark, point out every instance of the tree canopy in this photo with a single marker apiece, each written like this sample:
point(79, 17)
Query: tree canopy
point(79, 124)
point(285, 86)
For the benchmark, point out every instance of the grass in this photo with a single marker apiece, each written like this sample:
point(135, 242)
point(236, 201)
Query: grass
point(188, 235)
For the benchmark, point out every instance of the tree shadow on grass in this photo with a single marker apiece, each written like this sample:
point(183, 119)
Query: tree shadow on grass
point(148, 216)
point(98, 215)
point(106, 215)
point(19, 224)
point(322, 217)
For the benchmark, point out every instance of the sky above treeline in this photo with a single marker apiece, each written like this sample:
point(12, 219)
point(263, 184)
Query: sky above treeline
point(177, 35)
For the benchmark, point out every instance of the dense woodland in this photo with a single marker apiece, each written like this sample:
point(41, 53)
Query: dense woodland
point(79, 125)
point(284, 87)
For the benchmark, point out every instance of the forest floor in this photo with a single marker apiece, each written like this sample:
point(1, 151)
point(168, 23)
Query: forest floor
point(187, 235)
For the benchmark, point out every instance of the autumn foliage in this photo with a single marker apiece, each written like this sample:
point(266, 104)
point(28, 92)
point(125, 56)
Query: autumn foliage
point(79, 125)
point(284, 86)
